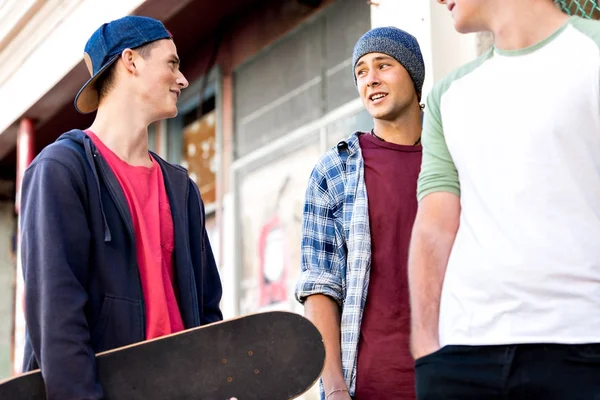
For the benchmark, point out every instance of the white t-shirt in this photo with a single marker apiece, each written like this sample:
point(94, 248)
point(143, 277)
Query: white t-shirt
point(516, 134)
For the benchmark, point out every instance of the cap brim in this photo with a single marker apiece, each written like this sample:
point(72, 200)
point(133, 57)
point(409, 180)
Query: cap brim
point(86, 100)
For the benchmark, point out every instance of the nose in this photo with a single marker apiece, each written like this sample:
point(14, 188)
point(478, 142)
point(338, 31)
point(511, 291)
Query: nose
point(181, 81)
point(441, 1)
point(373, 78)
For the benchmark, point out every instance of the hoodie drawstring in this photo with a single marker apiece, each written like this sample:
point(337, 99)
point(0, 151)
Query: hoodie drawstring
point(92, 161)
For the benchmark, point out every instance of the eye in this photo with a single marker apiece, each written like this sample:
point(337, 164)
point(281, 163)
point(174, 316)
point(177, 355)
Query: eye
point(382, 66)
point(361, 72)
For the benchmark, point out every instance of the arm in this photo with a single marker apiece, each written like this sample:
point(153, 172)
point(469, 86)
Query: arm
point(432, 240)
point(324, 312)
point(321, 280)
point(434, 231)
point(55, 258)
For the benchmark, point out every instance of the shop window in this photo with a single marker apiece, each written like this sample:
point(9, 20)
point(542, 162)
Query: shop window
point(273, 192)
point(192, 138)
point(300, 78)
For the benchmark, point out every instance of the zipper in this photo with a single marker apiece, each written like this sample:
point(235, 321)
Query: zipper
point(129, 224)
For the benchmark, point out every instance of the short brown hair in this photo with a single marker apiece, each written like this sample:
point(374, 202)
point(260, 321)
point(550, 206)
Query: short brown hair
point(106, 81)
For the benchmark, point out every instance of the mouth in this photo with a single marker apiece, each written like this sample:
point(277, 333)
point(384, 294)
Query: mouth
point(451, 6)
point(377, 97)
point(176, 92)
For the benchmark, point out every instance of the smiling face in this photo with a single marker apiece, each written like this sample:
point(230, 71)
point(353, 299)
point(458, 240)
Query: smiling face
point(467, 14)
point(384, 85)
point(159, 81)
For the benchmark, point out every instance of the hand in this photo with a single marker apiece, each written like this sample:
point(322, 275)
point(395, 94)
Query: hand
point(424, 348)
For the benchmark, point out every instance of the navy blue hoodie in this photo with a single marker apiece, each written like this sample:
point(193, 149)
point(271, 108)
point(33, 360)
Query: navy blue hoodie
point(82, 284)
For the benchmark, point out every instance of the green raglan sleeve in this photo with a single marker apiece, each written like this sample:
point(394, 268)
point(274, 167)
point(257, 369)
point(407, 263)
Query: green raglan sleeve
point(438, 172)
point(590, 28)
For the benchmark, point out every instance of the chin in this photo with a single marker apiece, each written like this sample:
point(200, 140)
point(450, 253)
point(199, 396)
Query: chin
point(380, 114)
point(172, 113)
point(462, 26)
point(377, 115)
point(165, 115)
point(464, 30)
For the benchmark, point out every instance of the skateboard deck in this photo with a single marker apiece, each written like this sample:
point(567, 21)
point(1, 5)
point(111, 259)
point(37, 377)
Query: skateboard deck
point(272, 356)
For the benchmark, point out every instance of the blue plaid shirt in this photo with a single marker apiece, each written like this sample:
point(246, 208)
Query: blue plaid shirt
point(336, 243)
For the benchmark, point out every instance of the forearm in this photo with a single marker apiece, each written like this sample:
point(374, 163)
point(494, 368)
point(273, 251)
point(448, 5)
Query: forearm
point(431, 244)
point(324, 312)
point(427, 267)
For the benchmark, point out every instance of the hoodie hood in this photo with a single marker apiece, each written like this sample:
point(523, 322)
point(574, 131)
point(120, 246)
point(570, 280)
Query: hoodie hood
point(80, 139)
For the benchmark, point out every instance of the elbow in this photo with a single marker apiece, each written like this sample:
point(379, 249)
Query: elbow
point(438, 217)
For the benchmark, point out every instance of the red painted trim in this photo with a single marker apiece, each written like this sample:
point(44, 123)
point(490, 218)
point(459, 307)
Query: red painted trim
point(25, 154)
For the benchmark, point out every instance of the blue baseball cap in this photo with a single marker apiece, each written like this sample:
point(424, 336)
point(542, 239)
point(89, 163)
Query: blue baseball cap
point(106, 45)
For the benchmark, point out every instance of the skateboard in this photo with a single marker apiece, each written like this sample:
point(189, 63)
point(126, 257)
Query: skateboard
point(272, 356)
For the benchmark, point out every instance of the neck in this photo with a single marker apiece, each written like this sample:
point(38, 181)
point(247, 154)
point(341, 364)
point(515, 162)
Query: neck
point(123, 131)
point(404, 130)
point(517, 24)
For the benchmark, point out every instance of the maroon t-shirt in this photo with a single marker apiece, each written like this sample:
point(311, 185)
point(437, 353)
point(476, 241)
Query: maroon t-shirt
point(385, 367)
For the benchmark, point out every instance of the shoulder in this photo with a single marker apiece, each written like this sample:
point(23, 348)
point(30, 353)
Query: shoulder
point(329, 176)
point(323, 173)
point(588, 27)
point(64, 151)
point(331, 165)
point(441, 87)
point(64, 157)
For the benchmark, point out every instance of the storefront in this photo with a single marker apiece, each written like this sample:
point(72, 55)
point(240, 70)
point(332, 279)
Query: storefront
point(293, 101)
point(271, 89)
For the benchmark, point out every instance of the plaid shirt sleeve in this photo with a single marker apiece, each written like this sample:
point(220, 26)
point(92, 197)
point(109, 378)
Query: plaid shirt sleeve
point(321, 261)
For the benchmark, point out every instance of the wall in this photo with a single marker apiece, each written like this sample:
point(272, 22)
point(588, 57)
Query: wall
point(443, 48)
point(7, 274)
point(450, 49)
point(246, 33)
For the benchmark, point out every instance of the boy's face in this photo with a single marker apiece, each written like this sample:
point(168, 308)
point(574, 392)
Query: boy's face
point(385, 87)
point(466, 14)
point(159, 81)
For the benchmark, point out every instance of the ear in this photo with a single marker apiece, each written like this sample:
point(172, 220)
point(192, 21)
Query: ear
point(128, 57)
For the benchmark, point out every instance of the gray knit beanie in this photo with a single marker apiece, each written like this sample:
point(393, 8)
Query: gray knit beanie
point(395, 43)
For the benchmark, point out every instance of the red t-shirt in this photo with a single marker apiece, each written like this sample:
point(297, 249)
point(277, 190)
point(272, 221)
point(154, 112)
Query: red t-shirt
point(385, 367)
point(144, 189)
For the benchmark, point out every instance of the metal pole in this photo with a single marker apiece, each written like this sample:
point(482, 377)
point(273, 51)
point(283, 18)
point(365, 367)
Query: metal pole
point(25, 155)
